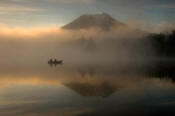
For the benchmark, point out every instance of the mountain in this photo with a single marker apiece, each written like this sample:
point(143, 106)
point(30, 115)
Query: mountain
point(103, 21)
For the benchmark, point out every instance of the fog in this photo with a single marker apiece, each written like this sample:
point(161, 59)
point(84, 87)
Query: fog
point(96, 46)
point(100, 69)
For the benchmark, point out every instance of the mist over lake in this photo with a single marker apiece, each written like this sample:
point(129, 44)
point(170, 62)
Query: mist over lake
point(87, 58)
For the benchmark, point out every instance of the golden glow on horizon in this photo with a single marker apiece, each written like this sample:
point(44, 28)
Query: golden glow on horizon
point(28, 32)
point(32, 81)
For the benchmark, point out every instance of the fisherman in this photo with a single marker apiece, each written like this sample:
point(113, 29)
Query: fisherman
point(50, 61)
point(55, 61)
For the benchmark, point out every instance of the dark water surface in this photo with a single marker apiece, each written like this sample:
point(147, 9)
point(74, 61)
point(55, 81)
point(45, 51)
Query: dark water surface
point(88, 90)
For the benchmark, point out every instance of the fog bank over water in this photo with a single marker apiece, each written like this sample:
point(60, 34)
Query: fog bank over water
point(118, 67)
point(38, 45)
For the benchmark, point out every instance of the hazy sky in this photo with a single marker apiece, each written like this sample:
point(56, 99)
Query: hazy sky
point(58, 12)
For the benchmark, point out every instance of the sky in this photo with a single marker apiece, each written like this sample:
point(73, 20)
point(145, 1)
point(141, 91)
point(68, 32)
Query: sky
point(34, 13)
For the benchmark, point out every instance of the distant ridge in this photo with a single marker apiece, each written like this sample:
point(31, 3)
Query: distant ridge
point(103, 21)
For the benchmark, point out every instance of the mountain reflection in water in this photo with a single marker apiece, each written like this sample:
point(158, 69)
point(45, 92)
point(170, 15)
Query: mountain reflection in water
point(88, 90)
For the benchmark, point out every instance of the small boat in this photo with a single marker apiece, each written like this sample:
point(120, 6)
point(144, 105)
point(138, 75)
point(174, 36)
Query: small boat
point(55, 62)
point(58, 62)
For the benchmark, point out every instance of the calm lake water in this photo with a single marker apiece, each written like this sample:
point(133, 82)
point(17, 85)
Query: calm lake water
point(88, 89)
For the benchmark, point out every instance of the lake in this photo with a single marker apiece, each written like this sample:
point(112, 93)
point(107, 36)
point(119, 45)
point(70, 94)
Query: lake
point(134, 89)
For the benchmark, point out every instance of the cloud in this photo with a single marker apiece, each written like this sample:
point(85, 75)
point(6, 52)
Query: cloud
point(73, 1)
point(62, 11)
point(17, 8)
point(164, 27)
point(48, 1)
point(170, 6)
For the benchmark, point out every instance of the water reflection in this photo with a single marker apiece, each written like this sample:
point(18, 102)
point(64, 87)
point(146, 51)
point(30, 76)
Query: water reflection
point(88, 90)
point(104, 89)
point(164, 70)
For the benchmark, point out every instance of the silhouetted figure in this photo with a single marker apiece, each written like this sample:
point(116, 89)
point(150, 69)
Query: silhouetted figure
point(55, 61)
point(50, 61)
